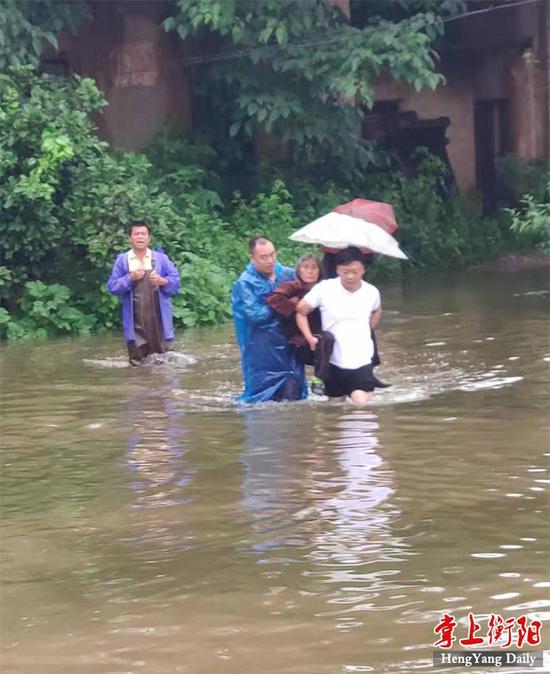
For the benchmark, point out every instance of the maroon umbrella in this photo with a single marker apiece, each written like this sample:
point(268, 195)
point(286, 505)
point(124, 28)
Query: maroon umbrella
point(378, 212)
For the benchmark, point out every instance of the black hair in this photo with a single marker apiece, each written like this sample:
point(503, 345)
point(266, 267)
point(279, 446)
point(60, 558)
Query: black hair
point(137, 223)
point(348, 255)
point(328, 264)
point(259, 238)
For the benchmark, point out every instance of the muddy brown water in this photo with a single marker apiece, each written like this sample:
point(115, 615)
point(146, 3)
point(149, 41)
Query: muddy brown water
point(150, 526)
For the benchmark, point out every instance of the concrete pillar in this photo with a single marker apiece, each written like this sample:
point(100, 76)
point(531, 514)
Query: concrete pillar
point(343, 5)
point(137, 66)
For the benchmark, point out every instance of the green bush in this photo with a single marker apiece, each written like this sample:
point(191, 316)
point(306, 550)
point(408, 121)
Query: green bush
point(47, 310)
point(438, 228)
point(526, 187)
point(532, 221)
point(204, 295)
point(271, 213)
point(66, 197)
point(26, 26)
point(517, 178)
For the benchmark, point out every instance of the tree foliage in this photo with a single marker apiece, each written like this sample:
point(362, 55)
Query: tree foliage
point(64, 195)
point(292, 68)
point(65, 198)
point(27, 26)
point(297, 68)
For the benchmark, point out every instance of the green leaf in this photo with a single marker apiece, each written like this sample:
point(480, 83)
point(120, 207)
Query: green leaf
point(263, 37)
point(281, 34)
point(169, 24)
point(234, 129)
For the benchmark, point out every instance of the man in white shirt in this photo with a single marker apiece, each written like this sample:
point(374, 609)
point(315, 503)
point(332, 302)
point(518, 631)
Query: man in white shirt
point(349, 308)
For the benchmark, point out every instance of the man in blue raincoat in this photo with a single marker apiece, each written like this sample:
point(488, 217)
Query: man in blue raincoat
point(269, 365)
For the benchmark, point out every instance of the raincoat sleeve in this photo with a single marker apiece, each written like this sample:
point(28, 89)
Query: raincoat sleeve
point(120, 281)
point(283, 299)
point(248, 305)
point(171, 274)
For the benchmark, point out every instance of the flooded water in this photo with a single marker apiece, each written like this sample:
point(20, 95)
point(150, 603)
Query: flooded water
point(150, 526)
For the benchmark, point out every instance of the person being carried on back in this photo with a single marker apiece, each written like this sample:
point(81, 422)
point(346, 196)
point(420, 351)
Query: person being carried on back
point(284, 299)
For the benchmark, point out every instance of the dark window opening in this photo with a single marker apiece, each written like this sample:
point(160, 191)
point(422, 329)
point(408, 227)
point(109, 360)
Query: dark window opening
point(403, 134)
point(385, 108)
point(364, 12)
point(55, 65)
point(491, 140)
point(424, 133)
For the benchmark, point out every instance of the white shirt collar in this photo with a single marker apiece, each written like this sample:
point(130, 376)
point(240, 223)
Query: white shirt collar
point(133, 256)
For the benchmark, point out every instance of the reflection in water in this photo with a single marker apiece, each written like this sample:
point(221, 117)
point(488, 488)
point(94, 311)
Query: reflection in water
point(157, 445)
point(271, 472)
point(326, 504)
point(330, 497)
point(305, 539)
point(355, 521)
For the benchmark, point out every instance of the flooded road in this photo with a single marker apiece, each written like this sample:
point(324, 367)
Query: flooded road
point(150, 526)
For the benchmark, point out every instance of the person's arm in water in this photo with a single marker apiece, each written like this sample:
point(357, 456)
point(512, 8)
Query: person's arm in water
point(375, 317)
point(302, 311)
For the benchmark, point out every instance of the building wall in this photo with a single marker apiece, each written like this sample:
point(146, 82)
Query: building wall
point(454, 100)
point(526, 111)
point(343, 5)
point(137, 65)
point(513, 66)
point(529, 92)
point(501, 55)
